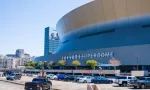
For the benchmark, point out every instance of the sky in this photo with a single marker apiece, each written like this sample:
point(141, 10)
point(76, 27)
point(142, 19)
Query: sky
point(22, 22)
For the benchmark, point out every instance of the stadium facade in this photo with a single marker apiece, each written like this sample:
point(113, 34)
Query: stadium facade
point(103, 29)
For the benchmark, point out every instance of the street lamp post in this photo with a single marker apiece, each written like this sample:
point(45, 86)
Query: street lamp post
point(137, 60)
point(43, 68)
point(100, 68)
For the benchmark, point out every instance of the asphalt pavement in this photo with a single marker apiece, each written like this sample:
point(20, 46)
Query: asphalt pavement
point(10, 86)
point(19, 85)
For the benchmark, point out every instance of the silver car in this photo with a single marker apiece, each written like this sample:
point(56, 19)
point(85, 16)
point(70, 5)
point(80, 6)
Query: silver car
point(85, 79)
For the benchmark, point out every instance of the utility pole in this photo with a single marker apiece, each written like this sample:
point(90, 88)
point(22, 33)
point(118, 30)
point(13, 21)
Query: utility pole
point(44, 63)
point(100, 68)
point(43, 70)
point(137, 61)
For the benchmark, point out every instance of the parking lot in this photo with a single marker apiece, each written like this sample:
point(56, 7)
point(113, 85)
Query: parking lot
point(83, 86)
point(63, 85)
point(10, 86)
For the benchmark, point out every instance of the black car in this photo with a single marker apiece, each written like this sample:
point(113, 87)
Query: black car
point(69, 78)
point(38, 84)
point(142, 82)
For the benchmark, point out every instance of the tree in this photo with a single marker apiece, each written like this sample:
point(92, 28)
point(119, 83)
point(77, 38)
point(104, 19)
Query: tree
point(30, 64)
point(76, 63)
point(51, 64)
point(62, 63)
point(92, 63)
point(41, 64)
point(27, 64)
point(114, 62)
point(33, 64)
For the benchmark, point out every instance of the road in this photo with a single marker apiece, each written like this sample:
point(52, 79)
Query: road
point(10, 86)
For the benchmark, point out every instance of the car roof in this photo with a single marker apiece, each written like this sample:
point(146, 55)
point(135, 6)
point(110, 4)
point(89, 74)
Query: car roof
point(69, 75)
point(39, 78)
point(16, 73)
point(50, 74)
point(99, 77)
point(146, 77)
point(61, 74)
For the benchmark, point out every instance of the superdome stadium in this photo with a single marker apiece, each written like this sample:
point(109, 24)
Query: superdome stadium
point(103, 29)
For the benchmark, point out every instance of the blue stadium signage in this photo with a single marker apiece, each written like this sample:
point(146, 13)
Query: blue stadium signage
point(88, 55)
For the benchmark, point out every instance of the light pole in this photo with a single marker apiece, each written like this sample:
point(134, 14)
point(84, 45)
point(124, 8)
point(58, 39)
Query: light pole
point(100, 68)
point(137, 61)
point(43, 67)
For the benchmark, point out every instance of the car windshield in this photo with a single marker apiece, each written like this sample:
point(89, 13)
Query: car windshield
point(99, 77)
point(141, 78)
point(12, 74)
point(61, 75)
point(148, 79)
point(104, 78)
point(36, 80)
point(134, 78)
point(80, 76)
point(122, 78)
point(70, 76)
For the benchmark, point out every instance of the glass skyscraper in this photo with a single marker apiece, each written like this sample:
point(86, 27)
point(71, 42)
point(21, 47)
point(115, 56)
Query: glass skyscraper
point(46, 42)
point(51, 42)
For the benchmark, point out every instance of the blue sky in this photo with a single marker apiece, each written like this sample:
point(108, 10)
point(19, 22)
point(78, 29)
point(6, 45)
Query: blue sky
point(22, 22)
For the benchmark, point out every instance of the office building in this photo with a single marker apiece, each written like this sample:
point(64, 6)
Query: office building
point(51, 42)
point(12, 61)
point(46, 42)
point(20, 52)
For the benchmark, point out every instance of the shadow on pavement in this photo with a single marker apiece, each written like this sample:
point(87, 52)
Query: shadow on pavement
point(139, 88)
point(119, 86)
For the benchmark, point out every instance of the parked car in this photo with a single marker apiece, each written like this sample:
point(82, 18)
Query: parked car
point(101, 80)
point(76, 78)
point(85, 79)
point(14, 76)
point(61, 76)
point(142, 83)
point(124, 80)
point(51, 76)
point(38, 84)
point(113, 78)
point(69, 78)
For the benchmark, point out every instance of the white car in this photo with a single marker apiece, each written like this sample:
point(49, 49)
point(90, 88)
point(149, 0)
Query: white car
point(124, 80)
point(51, 76)
point(85, 79)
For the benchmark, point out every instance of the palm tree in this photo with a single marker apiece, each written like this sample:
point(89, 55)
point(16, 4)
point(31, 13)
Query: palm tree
point(92, 63)
point(33, 64)
point(62, 63)
point(41, 64)
point(76, 63)
point(52, 64)
point(27, 64)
